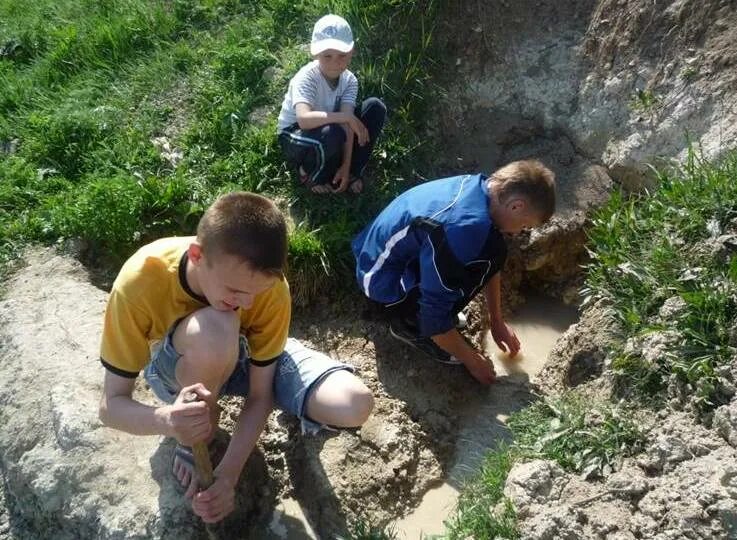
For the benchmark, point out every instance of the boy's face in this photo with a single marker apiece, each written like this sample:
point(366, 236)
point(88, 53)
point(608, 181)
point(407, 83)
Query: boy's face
point(229, 283)
point(333, 63)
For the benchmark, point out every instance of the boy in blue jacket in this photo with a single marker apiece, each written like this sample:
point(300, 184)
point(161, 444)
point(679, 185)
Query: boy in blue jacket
point(433, 248)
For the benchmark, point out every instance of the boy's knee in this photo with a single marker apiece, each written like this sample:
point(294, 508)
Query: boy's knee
point(363, 403)
point(360, 401)
point(333, 134)
point(208, 334)
point(373, 103)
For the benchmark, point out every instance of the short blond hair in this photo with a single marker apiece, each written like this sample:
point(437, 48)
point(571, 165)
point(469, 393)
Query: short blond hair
point(247, 226)
point(530, 179)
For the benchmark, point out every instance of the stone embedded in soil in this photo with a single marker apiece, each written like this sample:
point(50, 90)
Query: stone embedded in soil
point(725, 422)
point(579, 356)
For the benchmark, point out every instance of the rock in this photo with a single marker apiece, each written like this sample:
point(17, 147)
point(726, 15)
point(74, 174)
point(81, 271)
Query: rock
point(725, 422)
point(531, 482)
point(579, 355)
point(672, 308)
point(67, 475)
point(664, 452)
point(561, 523)
point(628, 482)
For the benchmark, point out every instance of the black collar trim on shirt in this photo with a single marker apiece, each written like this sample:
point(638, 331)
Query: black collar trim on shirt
point(183, 279)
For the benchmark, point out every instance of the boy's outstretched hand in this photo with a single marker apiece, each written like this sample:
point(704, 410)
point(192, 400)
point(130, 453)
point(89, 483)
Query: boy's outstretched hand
point(481, 369)
point(504, 337)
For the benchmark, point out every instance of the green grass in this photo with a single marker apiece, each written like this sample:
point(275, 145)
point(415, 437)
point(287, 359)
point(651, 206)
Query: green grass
point(482, 512)
point(85, 86)
point(650, 247)
point(580, 436)
point(364, 530)
point(645, 101)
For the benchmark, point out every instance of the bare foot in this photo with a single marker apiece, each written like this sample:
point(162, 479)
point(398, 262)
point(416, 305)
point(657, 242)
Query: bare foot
point(356, 185)
point(321, 189)
point(183, 470)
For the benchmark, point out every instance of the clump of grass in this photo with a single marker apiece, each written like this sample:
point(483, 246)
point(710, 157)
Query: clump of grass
point(308, 265)
point(482, 511)
point(363, 529)
point(645, 101)
point(579, 436)
point(650, 247)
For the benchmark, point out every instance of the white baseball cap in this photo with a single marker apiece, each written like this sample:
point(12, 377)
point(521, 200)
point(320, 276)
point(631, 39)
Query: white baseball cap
point(331, 32)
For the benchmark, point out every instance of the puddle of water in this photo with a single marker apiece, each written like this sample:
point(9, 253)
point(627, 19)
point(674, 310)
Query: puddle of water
point(538, 324)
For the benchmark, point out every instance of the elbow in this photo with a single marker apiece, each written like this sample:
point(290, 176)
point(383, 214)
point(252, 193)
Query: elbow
point(103, 412)
point(302, 123)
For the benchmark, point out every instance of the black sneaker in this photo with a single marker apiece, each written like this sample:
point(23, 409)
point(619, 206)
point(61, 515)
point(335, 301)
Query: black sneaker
point(426, 345)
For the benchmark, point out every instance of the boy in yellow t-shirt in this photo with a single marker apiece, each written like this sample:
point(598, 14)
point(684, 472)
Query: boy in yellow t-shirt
point(210, 315)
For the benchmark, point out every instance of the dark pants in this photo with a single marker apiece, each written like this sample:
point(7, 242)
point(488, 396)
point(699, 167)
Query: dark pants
point(405, 313)
point(319, 151)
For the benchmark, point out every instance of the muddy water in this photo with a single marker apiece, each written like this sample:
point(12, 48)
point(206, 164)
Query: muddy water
point(538, 324)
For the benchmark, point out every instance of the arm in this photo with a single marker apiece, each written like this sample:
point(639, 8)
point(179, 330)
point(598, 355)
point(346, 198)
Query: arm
point(437, 298)
point(218, 500)
point(503, 335)
point(476, 363)
point(187, 422)
point(343, 174)
point(309, 119)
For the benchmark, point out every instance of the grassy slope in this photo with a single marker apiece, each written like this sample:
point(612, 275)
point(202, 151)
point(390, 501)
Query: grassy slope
point(86, 85)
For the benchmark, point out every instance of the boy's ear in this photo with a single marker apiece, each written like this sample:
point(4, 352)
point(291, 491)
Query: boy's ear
point(195, 253)
point(517, 205)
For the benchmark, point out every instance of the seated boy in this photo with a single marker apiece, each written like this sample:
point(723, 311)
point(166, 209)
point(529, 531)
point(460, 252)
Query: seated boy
point(320, 136)
point(216, 308)
point(437, 245)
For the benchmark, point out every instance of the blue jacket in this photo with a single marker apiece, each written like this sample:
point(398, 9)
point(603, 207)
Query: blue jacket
point(437, 236)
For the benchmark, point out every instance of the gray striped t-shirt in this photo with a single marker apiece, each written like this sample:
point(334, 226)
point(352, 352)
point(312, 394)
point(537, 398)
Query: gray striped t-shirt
point(310, 86)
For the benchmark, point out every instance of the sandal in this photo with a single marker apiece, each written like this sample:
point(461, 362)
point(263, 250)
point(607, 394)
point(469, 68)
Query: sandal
point(183, 460)
point(355, 185)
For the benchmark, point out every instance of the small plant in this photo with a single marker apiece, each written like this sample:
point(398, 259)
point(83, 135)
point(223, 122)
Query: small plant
point(650, 247)
point(689, 73)
point(644, 101)
point(579, 436)
point(308, 266)
point(364, 530)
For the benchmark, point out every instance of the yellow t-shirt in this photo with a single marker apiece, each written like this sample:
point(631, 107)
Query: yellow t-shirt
point(151, 293)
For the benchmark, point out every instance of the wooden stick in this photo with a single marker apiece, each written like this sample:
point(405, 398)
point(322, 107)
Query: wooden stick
point(202, 463)
point(203, 470)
